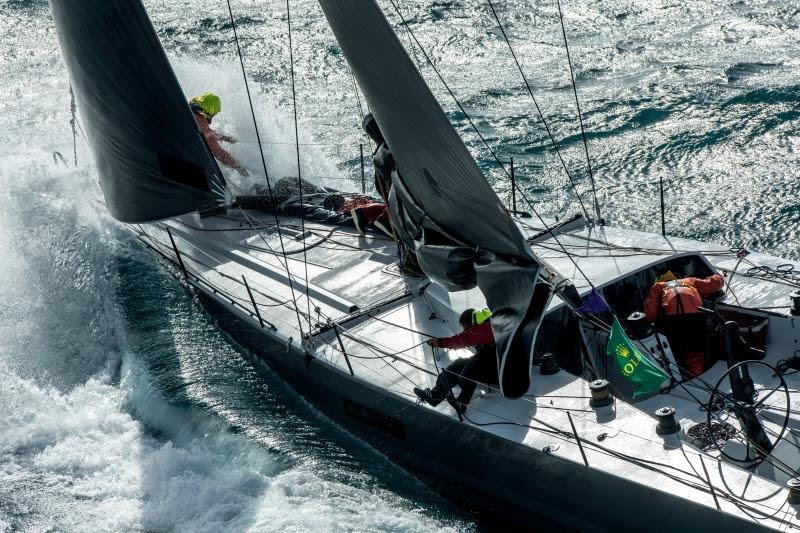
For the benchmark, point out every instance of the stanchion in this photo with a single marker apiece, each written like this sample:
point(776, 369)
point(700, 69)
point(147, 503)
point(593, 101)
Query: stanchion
point(250, 293)
point(177, 253)
point(363, 174)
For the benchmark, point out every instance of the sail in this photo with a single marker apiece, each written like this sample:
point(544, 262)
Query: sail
point(152, 160)
point(440, 202)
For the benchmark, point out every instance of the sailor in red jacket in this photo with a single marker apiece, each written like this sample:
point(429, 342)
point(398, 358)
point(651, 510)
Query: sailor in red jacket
point(204, 107)
point(469, 371)
point(670, 296)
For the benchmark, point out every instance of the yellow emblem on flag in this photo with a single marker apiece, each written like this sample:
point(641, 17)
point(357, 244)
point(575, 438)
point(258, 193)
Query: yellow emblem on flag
point(645, 377)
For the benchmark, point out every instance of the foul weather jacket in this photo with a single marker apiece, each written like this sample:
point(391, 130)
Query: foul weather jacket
point(680, 296)
point(212, 139)
point(467, 372)
point(474, 336)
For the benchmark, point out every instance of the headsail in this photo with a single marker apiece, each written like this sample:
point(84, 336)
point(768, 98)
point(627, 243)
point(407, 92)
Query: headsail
point(152, 160)
point(440, 199)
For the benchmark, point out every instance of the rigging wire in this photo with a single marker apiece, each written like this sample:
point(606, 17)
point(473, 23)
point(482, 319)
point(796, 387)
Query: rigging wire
point(580, 116)
point(447, 87)
point(264, 161)
point(297, 148)
point(539, 112)
point(480, 135)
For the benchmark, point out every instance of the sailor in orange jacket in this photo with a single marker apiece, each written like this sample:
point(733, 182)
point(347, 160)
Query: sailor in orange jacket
point(469, 371)
point(204, 107)
point(680, 297)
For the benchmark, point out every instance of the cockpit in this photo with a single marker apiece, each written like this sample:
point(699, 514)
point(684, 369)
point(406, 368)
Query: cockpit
point(684, 344)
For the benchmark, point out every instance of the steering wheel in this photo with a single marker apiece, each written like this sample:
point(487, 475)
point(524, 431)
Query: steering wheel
point(755, 419)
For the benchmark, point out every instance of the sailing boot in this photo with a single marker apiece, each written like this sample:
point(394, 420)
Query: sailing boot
point(432, 397)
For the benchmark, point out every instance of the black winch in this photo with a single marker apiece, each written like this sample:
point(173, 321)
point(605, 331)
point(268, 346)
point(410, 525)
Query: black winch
point(666, 421)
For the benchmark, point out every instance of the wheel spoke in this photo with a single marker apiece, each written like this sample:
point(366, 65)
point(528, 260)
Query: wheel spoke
point(762, 400)
point(747, 415)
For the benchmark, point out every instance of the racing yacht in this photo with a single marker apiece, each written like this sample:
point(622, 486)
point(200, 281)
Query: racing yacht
point(565, 439)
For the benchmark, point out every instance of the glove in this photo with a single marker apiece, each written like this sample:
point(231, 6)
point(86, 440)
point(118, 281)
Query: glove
point(433, 343)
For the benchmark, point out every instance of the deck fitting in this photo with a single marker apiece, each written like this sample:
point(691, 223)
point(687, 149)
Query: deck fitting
point(549, 364)
point(795, 299)
point(600, 395)
point(666, 421)
point(794, 490)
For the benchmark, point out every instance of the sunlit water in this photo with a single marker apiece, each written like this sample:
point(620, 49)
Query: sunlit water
point(123, 407)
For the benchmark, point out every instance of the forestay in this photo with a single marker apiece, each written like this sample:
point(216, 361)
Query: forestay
point(441, 204)
point(152, 160)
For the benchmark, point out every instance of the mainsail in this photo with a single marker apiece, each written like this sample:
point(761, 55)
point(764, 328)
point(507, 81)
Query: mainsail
point(152, 160)
point(441, 202)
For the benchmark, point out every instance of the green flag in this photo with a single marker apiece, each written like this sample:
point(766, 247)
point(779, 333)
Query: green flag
point(643, 375)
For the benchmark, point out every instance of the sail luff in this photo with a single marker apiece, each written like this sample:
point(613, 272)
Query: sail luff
point(431, 156)
point(152, 159)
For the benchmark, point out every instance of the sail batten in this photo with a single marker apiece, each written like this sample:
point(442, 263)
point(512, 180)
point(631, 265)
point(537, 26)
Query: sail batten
point(440, 202)
point(152, 160)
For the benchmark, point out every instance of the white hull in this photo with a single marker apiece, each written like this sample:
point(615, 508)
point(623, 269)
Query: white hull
point(352, 280)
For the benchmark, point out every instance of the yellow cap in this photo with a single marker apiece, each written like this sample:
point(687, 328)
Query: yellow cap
point(666, 276)
point(210, 103)
point(481, 316)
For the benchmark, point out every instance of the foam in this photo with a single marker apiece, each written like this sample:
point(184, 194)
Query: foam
point(275, 126)
point(90, 438)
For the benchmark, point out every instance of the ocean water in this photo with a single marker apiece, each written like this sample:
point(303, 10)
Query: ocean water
point(122, 407)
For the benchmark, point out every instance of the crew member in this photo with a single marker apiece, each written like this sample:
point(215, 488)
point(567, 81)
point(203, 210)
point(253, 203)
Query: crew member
point(364, 211)
point(469, 371)
point(670, 296)
point(679, 296)
point(204, 108)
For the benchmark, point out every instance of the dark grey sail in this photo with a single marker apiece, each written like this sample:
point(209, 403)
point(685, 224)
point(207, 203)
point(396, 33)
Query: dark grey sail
point(152, 159)
point(440, 201)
